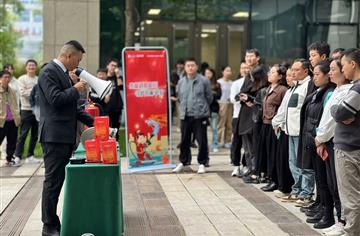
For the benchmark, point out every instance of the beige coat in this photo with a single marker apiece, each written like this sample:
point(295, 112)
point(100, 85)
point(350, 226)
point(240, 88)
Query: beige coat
point(14, 107)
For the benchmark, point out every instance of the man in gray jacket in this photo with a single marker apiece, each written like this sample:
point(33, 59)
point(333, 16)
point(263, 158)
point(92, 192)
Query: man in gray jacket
point(195, 97)
point(347, 143)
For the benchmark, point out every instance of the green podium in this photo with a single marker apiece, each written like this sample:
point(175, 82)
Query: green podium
point(92, 200)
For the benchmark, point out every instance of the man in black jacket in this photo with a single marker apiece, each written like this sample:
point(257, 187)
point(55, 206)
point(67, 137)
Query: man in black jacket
point(59, 112)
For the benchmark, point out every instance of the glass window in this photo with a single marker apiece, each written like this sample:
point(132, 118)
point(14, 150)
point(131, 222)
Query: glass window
point(181, 43)
point(112, 30)
point(335, 11)
point(338, 36)
point(208, 44)
point(168, 9)
point(278, 32)
point(236, 46)
point(220, 10)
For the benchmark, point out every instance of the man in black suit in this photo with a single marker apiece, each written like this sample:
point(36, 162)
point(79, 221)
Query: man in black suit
point(58, 95)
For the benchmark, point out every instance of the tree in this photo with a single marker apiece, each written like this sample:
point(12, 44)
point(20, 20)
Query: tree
point(8, 37)
point(130, 22)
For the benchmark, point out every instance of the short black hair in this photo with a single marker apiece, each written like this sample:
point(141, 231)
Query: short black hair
point(190, 59)
point(76, 45)
point(31, 60)
point(180, 61)
point(305, 64)
point(7, 66)
point(324, 66)
point(336, 50)
point(353, 54)
point(4, 72)
point(112, 60)
point(105, 70)
point(253, 50)
point(321, 47)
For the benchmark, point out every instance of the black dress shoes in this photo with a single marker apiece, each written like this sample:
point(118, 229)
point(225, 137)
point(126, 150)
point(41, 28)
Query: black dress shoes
point(316, 218)
point(269, 187)
point(310, 207)
point(325, 222)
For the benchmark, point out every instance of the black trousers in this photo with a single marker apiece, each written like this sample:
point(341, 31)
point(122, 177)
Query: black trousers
point(236, 144)
point(249, 152)
point(199, 128)
point(331, 178)
point(28, 122)
point(10, 132)
point(285, 178)
point(322, 184)
point(267, 152)
point(56, 156)
point(114, 118)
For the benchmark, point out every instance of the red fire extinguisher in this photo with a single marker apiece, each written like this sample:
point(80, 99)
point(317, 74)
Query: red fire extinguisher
point(91, 109)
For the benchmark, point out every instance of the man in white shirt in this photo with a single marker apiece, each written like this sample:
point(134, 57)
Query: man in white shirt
point(236, 141)
point(28, 121)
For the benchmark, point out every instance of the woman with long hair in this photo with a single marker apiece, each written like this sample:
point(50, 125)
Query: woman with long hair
point(324, 140)
point(214, 106)
point(285, 179)
point(308, 158)
point(250, 121)
point(268, 140)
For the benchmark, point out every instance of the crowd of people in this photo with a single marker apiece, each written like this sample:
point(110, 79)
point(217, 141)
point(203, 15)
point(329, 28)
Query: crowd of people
point(295, 127)
point(20, 114)
point(298, 125)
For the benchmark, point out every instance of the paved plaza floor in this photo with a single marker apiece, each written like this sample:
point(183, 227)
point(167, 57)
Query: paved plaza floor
point(163, 203)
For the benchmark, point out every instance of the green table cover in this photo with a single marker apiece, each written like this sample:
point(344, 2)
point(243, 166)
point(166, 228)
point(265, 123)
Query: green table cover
point(92, 200)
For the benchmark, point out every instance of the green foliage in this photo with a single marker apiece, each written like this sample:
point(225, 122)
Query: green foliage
point(8, 37)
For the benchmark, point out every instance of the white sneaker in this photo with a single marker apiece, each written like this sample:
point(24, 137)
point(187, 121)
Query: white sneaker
point(215, 150)
point(178, 168)
point(201, 169)
point(236, 171)
point(32, 160)
point(337, 230)
point(227, 145)
point(331, 228)
point(17, 160)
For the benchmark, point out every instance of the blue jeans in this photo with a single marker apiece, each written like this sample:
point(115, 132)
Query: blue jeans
point(304, 179)
point(295, 171)
point(214, 124)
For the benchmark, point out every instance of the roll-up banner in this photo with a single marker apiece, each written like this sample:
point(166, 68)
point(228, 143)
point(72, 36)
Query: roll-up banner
point(147, 106)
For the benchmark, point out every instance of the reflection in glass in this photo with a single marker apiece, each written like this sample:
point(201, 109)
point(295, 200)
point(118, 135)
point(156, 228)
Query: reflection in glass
point(208, 44)
point(181, 42)
point(336, 35)
point(236, 47)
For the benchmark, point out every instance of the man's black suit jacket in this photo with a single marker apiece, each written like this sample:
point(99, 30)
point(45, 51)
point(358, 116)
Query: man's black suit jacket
point(59, 111)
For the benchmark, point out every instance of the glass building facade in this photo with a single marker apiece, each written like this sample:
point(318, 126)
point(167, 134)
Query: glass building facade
point(219, 31)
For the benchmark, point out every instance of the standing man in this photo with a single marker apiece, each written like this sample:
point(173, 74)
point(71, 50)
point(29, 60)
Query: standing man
point(304, 178)
point(236, 140)
point(58, 95)
point(195, 97)
point(115, 104)
point(13, 84)
point(28, 120)
point(252, 58)
point(9, 116)
point(347, 143)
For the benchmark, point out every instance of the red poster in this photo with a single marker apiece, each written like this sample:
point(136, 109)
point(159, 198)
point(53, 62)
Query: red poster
point(147, 101)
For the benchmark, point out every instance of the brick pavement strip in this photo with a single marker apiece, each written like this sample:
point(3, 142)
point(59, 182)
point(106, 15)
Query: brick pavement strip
point(203, 207)
point(272, 210)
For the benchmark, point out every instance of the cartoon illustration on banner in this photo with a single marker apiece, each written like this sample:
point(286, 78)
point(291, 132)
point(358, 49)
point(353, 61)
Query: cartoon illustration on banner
point(147, 108)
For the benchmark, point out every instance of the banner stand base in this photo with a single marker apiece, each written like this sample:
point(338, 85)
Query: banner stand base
point(150, 168)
